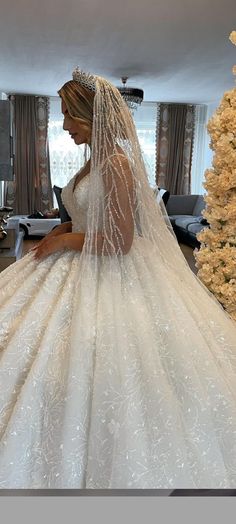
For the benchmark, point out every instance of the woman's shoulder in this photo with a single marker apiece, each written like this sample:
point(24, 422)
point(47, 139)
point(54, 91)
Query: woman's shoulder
point(116, 159)
point(117, 172)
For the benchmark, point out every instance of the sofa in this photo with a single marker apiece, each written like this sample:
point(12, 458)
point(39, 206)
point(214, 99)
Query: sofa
point(185, 214)
point(62, 210)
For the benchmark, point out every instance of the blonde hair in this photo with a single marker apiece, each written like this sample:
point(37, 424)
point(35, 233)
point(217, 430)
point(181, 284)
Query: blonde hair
point(78, 100)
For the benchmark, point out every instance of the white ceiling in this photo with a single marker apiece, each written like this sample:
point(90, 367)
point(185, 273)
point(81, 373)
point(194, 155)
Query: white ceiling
point(176, 50)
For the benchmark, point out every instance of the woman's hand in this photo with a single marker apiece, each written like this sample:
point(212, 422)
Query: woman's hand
point(59, 230)
point(48, 246)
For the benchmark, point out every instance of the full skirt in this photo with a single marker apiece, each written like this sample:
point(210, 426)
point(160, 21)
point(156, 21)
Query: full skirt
point(124, 381)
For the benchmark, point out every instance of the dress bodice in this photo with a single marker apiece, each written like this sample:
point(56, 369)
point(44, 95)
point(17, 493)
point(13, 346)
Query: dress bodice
point(76, 202)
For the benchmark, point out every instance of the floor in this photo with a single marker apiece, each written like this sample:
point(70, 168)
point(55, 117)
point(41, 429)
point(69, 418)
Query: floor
point(187, 251)
point(28, 244)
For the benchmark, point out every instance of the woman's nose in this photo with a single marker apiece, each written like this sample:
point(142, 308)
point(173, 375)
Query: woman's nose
point(66, 125)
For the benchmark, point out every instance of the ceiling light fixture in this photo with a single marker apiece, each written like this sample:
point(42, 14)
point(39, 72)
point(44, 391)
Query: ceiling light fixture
point(132, 96)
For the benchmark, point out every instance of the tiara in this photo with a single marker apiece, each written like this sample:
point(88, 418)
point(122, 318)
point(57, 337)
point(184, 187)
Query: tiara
point(84, 79)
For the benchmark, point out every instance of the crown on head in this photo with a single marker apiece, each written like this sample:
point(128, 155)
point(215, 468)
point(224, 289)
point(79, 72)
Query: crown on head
point(84, 79)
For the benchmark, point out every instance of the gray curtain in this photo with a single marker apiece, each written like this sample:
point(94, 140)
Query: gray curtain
point(174, 148)
point(31, 189)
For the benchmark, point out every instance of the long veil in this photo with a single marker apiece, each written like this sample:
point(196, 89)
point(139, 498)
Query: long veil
point(124, 365)
point(149, 339)
point(115, 208)
point(114, 138)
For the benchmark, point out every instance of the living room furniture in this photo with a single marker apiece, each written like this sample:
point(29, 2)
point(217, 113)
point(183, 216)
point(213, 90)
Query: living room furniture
point(185, 213)
point(158, 192)
point(62, 210)
point(161, 194)
point(35, 225)
point(11, 247)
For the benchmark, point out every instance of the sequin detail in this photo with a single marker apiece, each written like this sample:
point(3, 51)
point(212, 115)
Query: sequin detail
point(127, 384)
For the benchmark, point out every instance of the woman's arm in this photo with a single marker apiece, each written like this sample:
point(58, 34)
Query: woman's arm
point(118, 183)
point(117, 236)
point(51, 244)
point(66, 227)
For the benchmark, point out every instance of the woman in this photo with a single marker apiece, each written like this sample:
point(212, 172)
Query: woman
point(118, 367)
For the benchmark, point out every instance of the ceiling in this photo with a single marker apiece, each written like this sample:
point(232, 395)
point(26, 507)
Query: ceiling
point(176, 50)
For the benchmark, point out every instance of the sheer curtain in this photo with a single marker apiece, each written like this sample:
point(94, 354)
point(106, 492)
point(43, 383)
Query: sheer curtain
point(145, 121)
point(66, 158)
point(199, 150)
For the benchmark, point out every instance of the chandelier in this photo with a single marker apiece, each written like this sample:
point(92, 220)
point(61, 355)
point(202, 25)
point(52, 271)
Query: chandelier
point(132, 96)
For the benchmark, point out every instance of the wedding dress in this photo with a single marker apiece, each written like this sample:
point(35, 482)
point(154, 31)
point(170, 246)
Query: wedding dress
point(118, 369)
point(130, 386)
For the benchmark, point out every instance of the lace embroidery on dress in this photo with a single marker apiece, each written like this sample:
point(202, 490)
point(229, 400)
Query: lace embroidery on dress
point(117, 369)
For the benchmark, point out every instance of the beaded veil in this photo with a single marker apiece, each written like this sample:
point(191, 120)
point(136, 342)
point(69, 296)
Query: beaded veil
point(144, 305)
point(120, 198)
point(122, 365)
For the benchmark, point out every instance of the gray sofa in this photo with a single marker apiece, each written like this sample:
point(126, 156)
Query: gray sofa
point(184, 212)
point(185, 215)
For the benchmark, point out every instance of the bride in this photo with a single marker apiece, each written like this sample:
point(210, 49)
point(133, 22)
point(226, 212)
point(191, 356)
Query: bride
point(118, 367)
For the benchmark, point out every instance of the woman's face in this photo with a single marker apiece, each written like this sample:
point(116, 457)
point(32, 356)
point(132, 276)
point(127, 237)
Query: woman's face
point(78, 129)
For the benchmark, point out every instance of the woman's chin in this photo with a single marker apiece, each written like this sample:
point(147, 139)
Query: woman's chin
point(78, 141)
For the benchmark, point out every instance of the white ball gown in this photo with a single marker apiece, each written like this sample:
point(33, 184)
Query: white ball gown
point(122, 385)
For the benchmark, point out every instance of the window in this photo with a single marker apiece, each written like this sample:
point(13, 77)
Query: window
point(199, 150)
point(145, 119)
point(66, 158)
